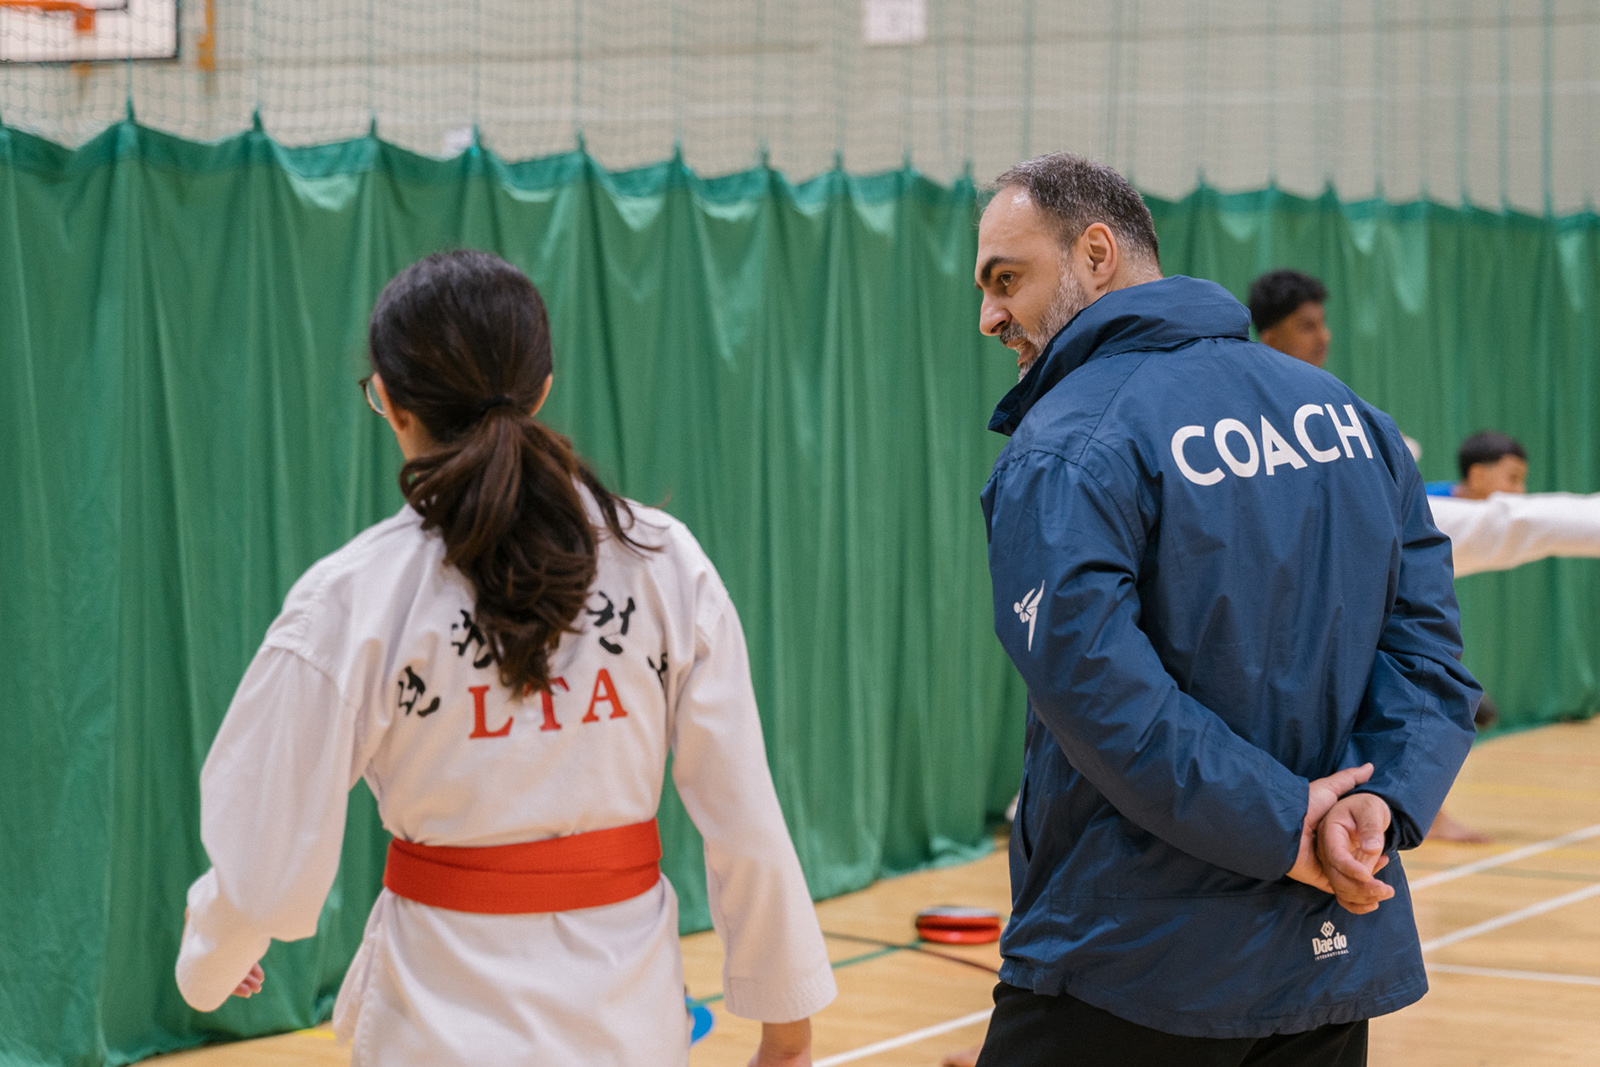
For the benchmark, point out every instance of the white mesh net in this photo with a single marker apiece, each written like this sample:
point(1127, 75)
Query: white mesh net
point(1483, 101)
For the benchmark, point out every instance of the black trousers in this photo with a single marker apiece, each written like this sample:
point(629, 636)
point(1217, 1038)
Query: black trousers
point(1029, 1030)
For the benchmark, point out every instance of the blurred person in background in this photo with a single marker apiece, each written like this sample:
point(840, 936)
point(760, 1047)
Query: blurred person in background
point(1286, 307)
point(1490, 462)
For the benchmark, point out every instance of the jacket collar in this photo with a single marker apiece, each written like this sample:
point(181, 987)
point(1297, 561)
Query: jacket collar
point(1141, 318)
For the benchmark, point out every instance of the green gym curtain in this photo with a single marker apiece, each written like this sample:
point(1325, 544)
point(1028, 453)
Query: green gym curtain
point(794, 370)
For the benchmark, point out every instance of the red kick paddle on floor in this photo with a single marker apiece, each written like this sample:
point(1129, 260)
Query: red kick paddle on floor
point(952, 925)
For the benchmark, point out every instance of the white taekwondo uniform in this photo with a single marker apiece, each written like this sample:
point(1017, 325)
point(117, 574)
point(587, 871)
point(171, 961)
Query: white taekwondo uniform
point(376, 669)
point(1510, 529)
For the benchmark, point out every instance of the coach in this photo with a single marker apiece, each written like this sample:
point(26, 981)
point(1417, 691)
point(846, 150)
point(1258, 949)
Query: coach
point(1215, 569)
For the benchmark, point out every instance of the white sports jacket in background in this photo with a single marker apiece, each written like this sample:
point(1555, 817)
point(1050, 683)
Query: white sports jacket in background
point(1510, 529)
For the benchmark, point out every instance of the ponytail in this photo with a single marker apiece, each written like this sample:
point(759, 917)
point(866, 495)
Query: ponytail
point(462, 342)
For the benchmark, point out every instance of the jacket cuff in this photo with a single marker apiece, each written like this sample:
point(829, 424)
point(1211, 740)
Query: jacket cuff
point(219, 947)
point(1403, 832)
point(769, 1001)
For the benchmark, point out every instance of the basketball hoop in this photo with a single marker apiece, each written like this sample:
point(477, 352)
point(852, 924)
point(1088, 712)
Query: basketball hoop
point(82, 14)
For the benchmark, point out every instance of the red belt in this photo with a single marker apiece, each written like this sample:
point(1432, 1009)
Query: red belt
point(559, 874)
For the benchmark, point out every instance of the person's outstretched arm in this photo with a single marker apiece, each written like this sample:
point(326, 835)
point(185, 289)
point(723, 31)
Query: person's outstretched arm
point(1510, 529)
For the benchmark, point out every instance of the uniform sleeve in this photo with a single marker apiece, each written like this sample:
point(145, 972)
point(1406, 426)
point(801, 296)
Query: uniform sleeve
point(273, 795)
point(1510, 529)
point(1415, 722)
point(776, 967)
point(1064, 552)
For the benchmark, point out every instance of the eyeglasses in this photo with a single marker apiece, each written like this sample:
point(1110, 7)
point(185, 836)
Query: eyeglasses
point(369, 392)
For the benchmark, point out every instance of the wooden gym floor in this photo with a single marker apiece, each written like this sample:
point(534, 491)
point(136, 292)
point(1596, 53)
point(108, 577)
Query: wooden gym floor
point(1510, 931)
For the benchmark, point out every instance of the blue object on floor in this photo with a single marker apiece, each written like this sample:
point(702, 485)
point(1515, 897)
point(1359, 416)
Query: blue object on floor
point(702, 1017)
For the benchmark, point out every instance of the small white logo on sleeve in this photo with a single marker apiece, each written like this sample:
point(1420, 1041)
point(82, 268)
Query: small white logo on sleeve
point(1331, 943)
point(1027, 610)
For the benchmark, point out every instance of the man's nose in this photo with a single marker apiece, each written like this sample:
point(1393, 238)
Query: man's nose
point(992, 319)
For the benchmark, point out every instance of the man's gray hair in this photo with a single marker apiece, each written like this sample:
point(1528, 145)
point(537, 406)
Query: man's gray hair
point(1074, 193)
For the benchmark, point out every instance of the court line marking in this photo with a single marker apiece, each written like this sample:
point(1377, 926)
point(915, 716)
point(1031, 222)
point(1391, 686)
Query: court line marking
point(904, 1039)
point(1510, 917)
point(1526, 976)
point(1450, 874)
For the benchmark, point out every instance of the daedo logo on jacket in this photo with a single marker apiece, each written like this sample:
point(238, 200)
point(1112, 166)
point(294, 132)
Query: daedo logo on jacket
point(1230, 437)
point(1331, 943)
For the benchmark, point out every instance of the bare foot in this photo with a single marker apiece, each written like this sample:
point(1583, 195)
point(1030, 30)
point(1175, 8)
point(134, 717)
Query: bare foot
point(967, 1057)
point(1445, 828)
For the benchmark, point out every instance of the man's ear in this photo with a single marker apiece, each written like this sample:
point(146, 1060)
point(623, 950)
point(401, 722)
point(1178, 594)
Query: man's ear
point(1098, 247)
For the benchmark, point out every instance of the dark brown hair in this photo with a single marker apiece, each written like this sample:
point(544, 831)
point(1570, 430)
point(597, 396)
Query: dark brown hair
point(1278, 294)
point(1488, 446)
point(462, 342)
point(1075, 193)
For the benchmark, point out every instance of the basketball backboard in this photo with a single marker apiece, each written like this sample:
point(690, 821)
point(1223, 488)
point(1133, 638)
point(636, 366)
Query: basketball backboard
point(73, 31)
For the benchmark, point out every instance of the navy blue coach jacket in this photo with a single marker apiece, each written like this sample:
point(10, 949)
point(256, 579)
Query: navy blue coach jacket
point(1216, 570)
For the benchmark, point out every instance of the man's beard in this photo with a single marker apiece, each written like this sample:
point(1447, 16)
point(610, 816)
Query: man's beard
point(1070, 299)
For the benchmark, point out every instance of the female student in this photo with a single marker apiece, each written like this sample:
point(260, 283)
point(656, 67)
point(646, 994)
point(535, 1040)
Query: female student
point(507, 662)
